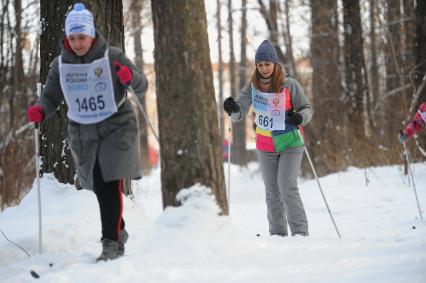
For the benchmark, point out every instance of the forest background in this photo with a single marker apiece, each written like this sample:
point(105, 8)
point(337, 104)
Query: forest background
point(362, 63)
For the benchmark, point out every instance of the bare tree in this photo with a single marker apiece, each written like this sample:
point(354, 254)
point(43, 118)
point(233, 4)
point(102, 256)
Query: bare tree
point(239, 151)
point(285, 22)
point(243, 50)
point(189, 134)
point(409, 32)
point(220, 69)
point(238, 134)
point(327, 90)
point(356, 84)
point(374, 70)
point(136, 7)
point(16, 146)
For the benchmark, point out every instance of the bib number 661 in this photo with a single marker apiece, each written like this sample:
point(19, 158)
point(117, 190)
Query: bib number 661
point(265, 121)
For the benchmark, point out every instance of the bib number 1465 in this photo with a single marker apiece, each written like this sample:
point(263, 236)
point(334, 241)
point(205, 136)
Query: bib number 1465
point(91, 103)
point(265, 121)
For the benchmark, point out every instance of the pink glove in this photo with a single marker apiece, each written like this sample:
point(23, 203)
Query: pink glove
point(35, 113)
point(124, 74)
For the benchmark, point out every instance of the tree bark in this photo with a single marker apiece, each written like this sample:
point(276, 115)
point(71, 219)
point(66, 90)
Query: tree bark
point(54, 150)
point(396, 95)
point(189, 135)
point(220, 70)
point(136, 10)
point(287, 38)
point(238, 146)
point(356, 91)
point(239, 129)
point(18, 69)
point(409, 31)
point(327, 125)
point(374, 72)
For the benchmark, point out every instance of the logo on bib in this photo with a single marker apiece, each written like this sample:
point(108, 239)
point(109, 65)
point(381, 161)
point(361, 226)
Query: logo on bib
point(275, 112)
point(276, 102)
point(98, 72)
point(100, 86)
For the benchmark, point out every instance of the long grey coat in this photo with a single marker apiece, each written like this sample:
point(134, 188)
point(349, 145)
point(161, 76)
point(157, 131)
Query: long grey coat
point(114, 141)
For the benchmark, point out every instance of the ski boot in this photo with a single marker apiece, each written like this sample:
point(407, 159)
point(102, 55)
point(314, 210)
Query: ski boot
point(111, 250)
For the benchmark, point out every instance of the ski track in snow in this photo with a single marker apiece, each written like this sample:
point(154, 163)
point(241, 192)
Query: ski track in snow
point(383, 238)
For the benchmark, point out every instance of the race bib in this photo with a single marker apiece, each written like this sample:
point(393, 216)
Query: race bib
point(269, 109)
point(88, 90)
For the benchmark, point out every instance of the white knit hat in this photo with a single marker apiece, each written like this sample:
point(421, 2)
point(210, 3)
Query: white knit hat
point(79, 21)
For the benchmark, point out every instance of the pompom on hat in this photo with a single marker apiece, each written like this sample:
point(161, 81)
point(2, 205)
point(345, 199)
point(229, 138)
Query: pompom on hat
point(80, 21)
point(266, 52)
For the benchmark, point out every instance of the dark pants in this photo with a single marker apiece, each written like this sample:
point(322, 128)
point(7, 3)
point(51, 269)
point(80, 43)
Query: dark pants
point(110, 201)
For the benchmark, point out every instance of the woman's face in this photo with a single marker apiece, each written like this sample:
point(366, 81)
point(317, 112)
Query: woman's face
point(80, 43)
point(265, 68)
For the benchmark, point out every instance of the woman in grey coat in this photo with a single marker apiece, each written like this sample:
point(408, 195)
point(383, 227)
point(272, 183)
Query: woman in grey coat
point(91, 77)
point(281, 108)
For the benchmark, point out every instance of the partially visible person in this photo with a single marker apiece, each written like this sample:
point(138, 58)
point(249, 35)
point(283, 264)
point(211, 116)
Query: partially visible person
point(415, 125)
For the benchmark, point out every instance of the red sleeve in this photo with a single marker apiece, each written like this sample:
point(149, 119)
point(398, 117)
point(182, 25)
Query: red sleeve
point(418, 122)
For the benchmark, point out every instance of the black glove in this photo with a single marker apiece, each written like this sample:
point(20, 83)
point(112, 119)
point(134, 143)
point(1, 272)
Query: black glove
point(230, 106)
point(402, 137)
point(294, 118)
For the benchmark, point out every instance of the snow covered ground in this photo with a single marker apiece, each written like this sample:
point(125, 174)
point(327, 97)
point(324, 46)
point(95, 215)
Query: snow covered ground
point(383, 238)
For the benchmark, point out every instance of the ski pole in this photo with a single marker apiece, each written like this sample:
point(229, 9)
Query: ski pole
point(37, 156)
point(412, 179)
point(135, 98)
point(228, 191)
point(320, 188)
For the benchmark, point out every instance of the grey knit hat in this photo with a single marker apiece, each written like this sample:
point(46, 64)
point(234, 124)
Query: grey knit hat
point(266, 52)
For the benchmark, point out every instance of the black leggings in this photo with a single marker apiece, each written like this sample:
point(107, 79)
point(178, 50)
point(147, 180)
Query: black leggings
point(110, 201)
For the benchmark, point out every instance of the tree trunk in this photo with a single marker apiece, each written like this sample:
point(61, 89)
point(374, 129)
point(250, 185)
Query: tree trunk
point(374, 72)
point(327, 90)
point(220, 70)
point(18, 69)
point(356, 91)
point(55, 154)
point(397, 100)
point(239, 129)
point(409, 31)
point(243, 51)
point(136, 10)
point(238, 146)
point(189, 134)
point(287, 39)
point(273, 12)
point(16, 146)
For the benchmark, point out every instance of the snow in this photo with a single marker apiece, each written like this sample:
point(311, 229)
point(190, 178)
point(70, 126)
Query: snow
point(383, 238)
